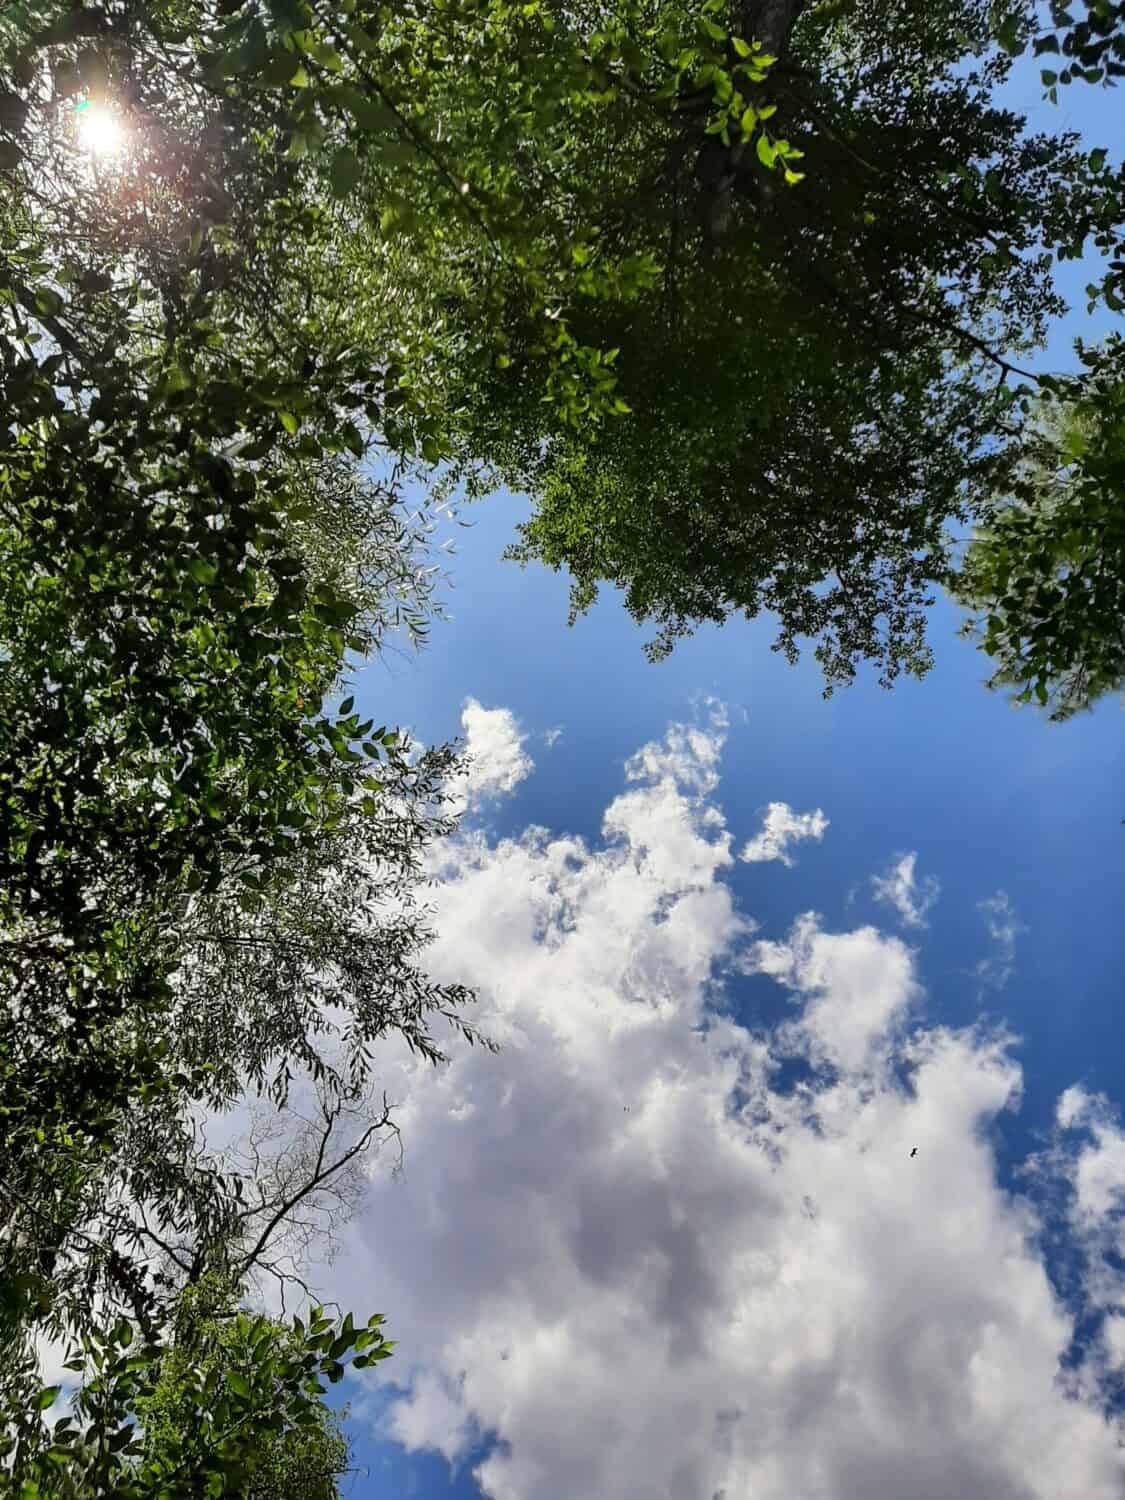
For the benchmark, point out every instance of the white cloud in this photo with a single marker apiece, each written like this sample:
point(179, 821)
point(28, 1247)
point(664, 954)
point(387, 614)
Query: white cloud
point(1097, 1166)
point(858, 987)
point(1113, 1334)
point(1083, 1172)
point(652, 1271)
point(899, 889)
point(1003, 928)
point(780, 828)
point(1073, 1104)
point(498, 761)
point(551, 736)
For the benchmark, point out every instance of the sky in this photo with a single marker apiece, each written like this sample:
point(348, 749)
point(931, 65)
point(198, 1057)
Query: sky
point(744, 950)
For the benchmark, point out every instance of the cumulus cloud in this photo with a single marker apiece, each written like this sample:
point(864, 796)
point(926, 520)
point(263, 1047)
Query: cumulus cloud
point(1081, 1181)
point(1094, 1157)
point(898, 888)
point(650, 1267)
point(857, 988)
point(1003, 928)
point(781, 827)
point(494, 745)
point(1113, 1334)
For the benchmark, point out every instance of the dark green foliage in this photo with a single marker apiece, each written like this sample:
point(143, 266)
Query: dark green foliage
point(226, 1404)
point(737, 317)
point(812, 394)
point(1083, 40)
point(186, 556)
point(1046, 576)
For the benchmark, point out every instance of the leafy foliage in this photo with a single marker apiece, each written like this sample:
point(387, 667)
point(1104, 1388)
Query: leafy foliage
point(227, 1405)
point(186, 556)
point(806, 389)
point(1049, 568)
point(283, 963)
point(1090, 46)
point(594, 268)
point(734, 294)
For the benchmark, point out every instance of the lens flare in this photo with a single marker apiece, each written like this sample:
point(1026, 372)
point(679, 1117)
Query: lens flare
point(99, 129)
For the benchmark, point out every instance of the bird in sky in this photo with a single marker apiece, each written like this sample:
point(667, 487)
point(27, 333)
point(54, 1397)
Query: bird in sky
point(915, 1151)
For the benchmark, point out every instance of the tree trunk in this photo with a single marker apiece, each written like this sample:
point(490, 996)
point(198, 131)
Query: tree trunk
point(770, 22)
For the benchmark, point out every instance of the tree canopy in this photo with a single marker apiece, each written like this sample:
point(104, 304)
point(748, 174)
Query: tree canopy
point(741, 296)
point(736, 295)
point(228, 1405)
point(188, 552)
point(1047, 571)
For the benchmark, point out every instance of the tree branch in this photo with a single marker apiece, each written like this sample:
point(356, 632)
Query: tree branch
point(320, 1174)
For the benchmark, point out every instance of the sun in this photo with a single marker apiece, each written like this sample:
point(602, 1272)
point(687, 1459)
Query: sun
point(100, 131)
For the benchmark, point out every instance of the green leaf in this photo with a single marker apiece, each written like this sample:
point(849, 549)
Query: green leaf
point(1007, 34)
point(290, 421)
point(238, 1384)
point(48, 302)
point(344, 173)
point(201, 570)
point(47, 1397)
point(767, 155)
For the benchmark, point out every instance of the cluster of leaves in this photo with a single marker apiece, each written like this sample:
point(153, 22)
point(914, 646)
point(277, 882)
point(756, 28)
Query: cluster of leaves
point(187, 554)
point(224, 1403)
point(545, 240)
point(478, 180)
point(273, 956)
point(815, 398)
point(1044, 573)
point(1048, 570)
point(1094, 47)
point(813, 393)
point(1090, 46)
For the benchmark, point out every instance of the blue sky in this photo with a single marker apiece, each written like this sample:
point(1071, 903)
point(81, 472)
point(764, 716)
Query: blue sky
point(898, 1303)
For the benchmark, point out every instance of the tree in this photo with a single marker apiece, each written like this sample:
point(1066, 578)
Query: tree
point(549, 238)
point(225, 1404)
point(302, 1457)
point(721, 393)
point(175, 482)
point(319, 952)
point(1091, 47)
point(1046, 576)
